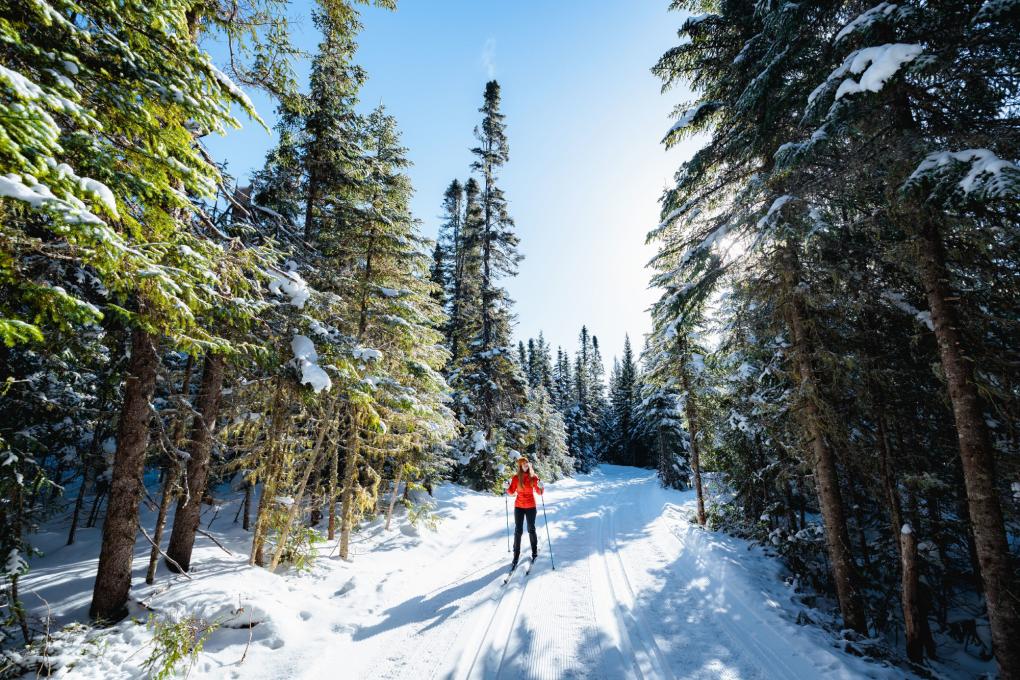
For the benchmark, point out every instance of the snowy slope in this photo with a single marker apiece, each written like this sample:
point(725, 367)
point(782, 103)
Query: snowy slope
point(637, 592)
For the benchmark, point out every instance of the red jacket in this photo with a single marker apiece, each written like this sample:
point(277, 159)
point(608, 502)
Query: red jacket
point(525, 494)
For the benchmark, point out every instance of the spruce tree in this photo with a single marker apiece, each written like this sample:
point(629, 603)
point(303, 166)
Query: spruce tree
point(625, 445)
point(489, 381)
point(329, 120)
point(393, 411)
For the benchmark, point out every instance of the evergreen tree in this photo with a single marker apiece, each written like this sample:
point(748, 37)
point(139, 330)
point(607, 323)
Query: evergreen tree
point(585, 418)
point(490, 383)
point(624, 445)
point(847, 157)
point(329, 121)
point(563, 380)
point(546, 439)
point(539, 364)
point(451, 266)
point(659, 420)
point(392, 409)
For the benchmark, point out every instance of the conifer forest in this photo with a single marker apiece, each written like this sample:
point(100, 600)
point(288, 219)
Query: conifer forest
point(259, 399)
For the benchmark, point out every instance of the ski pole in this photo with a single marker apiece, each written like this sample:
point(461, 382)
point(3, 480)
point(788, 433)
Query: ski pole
point(547, 538)
point(506, 503)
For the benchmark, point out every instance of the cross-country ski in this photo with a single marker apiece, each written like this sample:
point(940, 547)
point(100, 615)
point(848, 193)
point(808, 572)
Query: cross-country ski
point(510, 574)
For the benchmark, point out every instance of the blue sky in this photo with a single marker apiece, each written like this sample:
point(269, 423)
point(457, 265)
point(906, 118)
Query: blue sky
point(585, 118)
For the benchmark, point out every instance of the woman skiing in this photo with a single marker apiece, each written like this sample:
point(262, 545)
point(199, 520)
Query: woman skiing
point(525, 484)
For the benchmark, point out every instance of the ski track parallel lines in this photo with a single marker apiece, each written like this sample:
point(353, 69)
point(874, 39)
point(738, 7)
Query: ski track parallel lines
point(655, 654)
point(514, 622)
point(488, 627)
point(777, 666)
point(627, 645)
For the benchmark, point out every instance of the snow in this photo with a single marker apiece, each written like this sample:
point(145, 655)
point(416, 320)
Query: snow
point(269, 211)
point(102, 192)
point(38, 195)
point(906, 529)
point(290, 284)
point(876, 65)
point(988, 173)
point(22, 86)
point(866, 19)
point(638, 591)
point(992, 10)
point(776, 206)
point(478, 442)
point(696, 19)
point(366, 354)
point(15, 564)
point(688, 116)
point(307, 359)
point(230, 86)
point(901, 303)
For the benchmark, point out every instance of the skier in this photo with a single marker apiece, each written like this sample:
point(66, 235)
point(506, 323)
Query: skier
point(525, 484)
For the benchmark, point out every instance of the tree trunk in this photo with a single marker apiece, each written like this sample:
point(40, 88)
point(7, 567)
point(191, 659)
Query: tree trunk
point(911, 608)
point(324, 429)
point(393, 496)
point(905, 538)
point(861, 521)
point(1001, 595)
point(113, 576)
point(170, 472)
point(791, 514)
point(79, 501)
point(311, 201)
point(269, 477)
point(830, 499)
point(692, 426)
point(246, 518)
point(347, 493)
point(334, 474)
point(169, 482)
point(189, 506)
point(97, 503)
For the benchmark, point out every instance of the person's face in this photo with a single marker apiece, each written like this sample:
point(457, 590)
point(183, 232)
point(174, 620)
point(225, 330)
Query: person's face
point(524, 466)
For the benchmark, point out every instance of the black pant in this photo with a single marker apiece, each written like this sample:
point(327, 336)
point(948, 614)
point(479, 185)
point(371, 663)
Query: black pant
point(519, 515)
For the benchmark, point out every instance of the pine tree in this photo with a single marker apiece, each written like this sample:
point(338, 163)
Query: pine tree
point(490, 383)
point(849, 159)
point(563, 381)
point(625, 446)
point(539, 364)
point(329, 120)
point(546, 439)
point(586, 416)
point(393, 390)
point(691, 257)
point(452, 273)
point(659, 419)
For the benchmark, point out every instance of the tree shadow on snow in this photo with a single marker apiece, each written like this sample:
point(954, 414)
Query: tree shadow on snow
point(435, 609)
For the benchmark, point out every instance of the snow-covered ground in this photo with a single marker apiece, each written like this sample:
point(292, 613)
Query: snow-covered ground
point(637, 592)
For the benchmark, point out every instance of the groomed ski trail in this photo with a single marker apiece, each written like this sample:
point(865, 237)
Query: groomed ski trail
point(638, 592)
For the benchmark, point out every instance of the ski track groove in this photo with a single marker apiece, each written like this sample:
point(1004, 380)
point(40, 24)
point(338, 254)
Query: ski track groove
point(655, 654)
point(515, 619)
point(390, 664)
point(777, 666)
point(415, 638)
point(627, 645)
point(488, 626)
point(599, 626)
